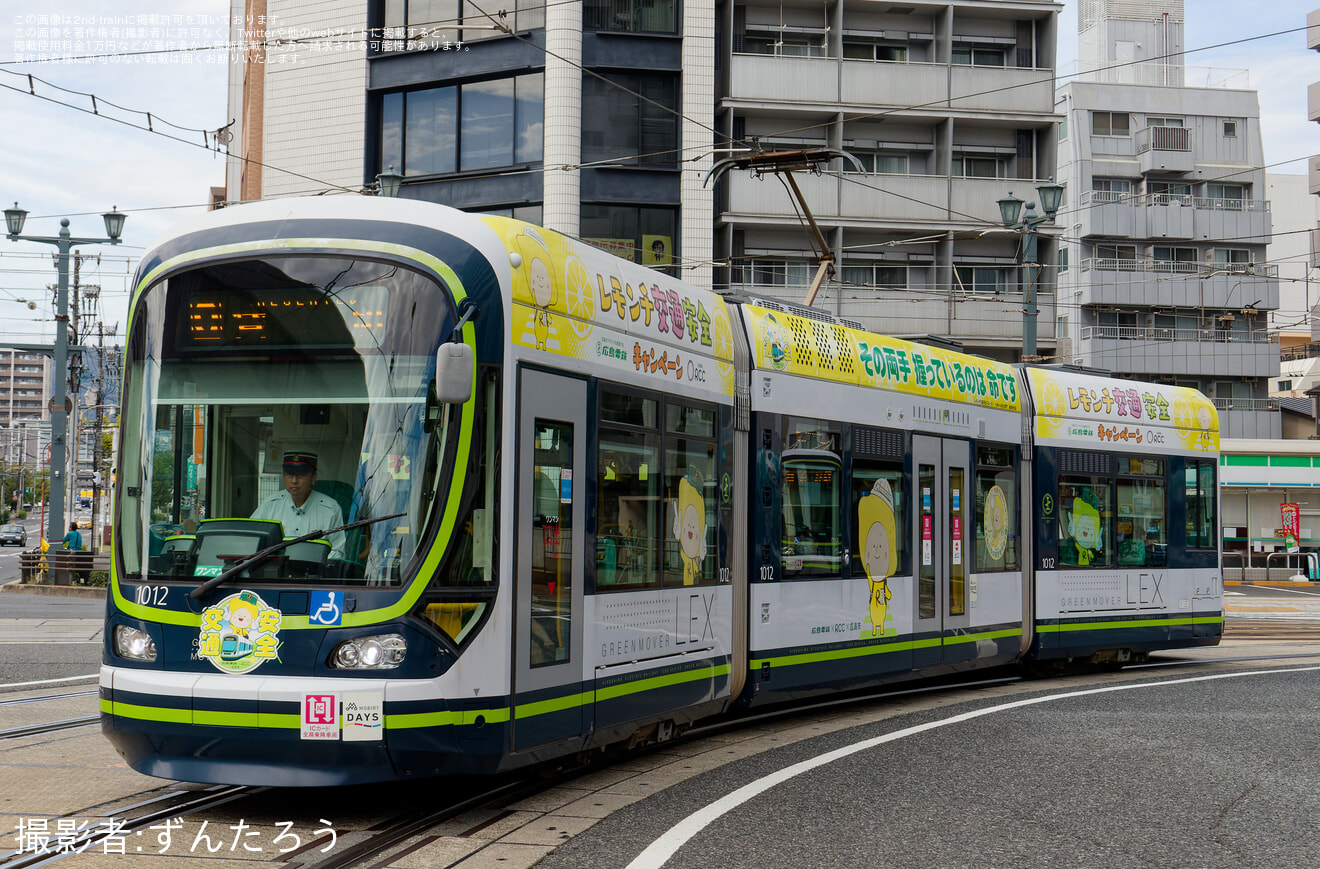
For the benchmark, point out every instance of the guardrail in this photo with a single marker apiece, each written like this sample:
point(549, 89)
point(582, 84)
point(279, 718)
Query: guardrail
point(1146, 200)
point(60, 566)
point(1111, 264)
point(1160, 333)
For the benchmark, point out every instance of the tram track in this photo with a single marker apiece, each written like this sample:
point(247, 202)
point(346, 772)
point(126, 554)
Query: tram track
point(49, 727)
point(19, 701)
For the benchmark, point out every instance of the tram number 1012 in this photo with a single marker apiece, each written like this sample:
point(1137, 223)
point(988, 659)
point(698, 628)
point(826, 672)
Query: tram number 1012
point(150, 595)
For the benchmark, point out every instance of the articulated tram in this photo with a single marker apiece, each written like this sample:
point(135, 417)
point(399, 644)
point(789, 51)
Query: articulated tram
point(577, 503)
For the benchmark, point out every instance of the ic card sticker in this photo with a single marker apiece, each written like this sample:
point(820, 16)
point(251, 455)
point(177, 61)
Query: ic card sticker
point(320, 716)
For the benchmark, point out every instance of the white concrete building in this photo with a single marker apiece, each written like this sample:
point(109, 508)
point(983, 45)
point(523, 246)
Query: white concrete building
point(1166, 272)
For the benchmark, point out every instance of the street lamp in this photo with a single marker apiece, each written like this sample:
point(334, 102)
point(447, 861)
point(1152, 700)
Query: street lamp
point(388, 183)
point(1010, 208)
point(59, 406)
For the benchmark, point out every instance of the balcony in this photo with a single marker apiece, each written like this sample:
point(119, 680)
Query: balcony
point(818, 82)
point(1153, 351)
point(899, 199)
point(1171, 216)
point(994, 320)
point(1165, 149)
point(1158, 283)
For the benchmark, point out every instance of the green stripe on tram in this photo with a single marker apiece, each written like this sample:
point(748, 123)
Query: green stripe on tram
point(408, 720)
point(1134, 623)
point(863, 651)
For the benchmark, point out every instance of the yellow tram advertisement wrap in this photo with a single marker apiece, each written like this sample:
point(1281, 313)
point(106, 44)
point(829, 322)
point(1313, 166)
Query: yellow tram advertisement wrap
point(1084, 410)
point(831, 351)
point(571, 300)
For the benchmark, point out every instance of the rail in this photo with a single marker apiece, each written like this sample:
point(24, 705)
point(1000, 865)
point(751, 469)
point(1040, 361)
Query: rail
point(1205, 270)
point(1159, 333)
point(1241, 566)
point(1163, 139)
point(1252, 405)
point(1309, 559)
point(1147, 200)
point(60, 566)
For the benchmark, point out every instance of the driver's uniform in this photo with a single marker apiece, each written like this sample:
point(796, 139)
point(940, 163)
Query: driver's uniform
point(319, 512)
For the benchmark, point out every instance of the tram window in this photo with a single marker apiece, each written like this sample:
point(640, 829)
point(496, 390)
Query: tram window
point(957, 565)
point(628, 510)
point(811, 520)
point(996, 510)
point(880, 536)
point(1086, 520)
point(1140, 528)
point(629, 409)
point(690, 482)
point(1200, 485)
point(552, 543)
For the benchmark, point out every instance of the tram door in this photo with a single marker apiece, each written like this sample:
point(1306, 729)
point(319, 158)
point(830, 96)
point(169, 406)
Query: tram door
point(941, 475)
point(549, 523)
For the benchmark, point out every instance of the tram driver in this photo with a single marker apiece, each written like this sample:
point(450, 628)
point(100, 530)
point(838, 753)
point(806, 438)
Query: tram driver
point(299, 508)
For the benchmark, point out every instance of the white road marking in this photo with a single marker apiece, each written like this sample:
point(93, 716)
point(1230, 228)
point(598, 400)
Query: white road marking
point(659, 851)
point(50, 681)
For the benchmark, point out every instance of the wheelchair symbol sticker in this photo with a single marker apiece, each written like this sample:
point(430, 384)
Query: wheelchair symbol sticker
point(327, 608)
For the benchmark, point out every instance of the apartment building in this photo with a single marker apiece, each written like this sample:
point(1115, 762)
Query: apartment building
point(1163, 273)
point(947, 106)
point(602, 119)
point(25, 385)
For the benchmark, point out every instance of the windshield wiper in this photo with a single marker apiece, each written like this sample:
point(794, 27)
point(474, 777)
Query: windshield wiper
point(244, 563)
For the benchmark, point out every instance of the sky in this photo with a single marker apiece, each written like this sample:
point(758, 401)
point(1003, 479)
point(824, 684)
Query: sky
point(58, 162)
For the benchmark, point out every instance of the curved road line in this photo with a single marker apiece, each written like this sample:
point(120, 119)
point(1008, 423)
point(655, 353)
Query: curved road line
point(659, 851)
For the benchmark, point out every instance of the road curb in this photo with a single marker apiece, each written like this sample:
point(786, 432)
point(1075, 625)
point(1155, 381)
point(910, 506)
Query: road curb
point(92, 591)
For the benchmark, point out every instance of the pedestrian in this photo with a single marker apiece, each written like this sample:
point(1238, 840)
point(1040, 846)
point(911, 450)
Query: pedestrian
point(73, 540)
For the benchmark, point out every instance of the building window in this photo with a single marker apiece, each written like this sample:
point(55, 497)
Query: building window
point(877, 276)
point(1175, 259)
point(1063, 259)
point(1163, 122)
point(784, 44)
point(1063, 127)
point(642, 235)
point(415, 24)
point(980, 166)
point(1229, 197)
point(1168, 192)
point(769, 272)
point(1230, 129)
point(481, 125)
point(1284, 386)
point(1232, 256)
point(982, 279)
point(1110, 189)
point(1110, 124)
point(879, 162)
point(630, 16)
point(856, 49)
point(619, 126)
point(965, 54)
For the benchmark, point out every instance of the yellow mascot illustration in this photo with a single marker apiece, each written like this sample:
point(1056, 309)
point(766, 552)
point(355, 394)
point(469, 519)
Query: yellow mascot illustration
point(879, 536)
point(535, 254)
point(1085, 527)
point(690, 525)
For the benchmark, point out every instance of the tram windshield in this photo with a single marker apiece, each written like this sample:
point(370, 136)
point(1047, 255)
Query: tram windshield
point(268, 398)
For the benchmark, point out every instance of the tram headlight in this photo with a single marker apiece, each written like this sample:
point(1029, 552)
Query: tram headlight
point(134, 644)
point(383, 652)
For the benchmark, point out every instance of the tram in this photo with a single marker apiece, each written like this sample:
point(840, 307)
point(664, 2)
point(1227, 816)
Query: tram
point(542, 500)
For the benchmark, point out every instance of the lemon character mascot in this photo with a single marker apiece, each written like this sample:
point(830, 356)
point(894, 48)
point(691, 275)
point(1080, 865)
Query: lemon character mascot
point(1084, 526)
point(690, 525)
point(875, 518)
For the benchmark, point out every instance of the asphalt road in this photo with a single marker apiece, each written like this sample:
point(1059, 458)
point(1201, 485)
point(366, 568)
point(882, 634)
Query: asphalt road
point(1188, 771)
